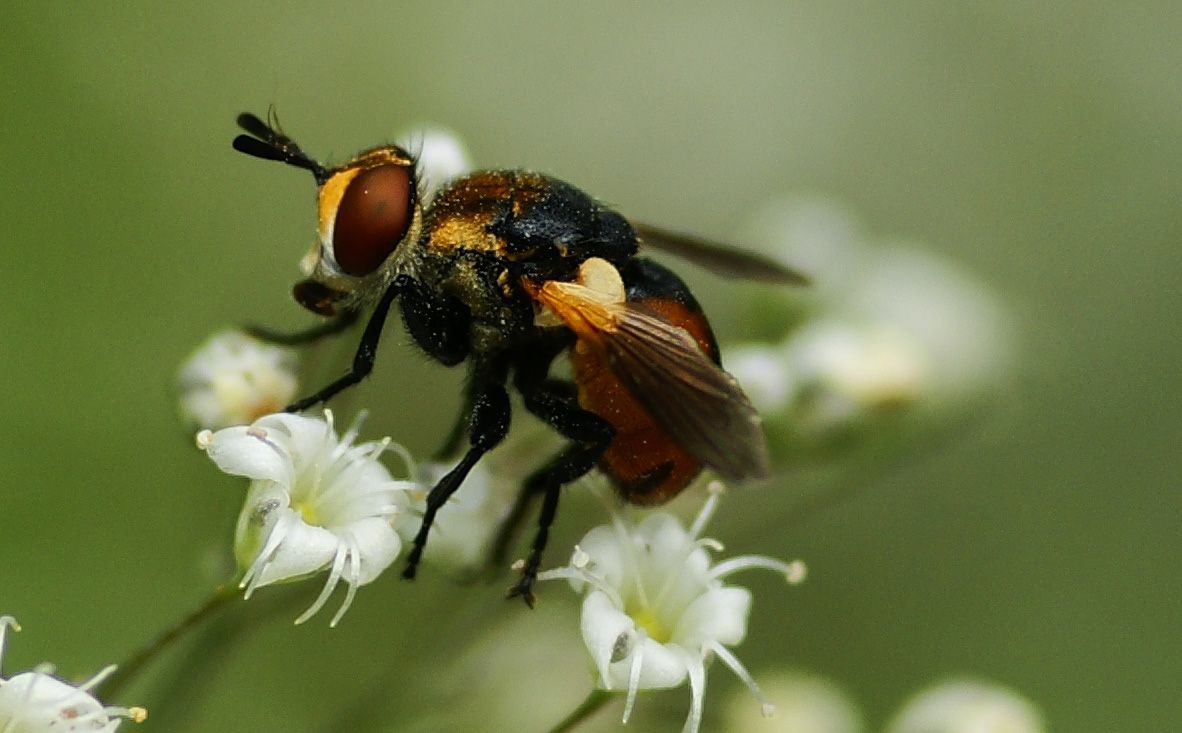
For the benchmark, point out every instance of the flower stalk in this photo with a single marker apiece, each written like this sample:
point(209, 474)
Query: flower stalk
point(135, 664)
point(592, 704)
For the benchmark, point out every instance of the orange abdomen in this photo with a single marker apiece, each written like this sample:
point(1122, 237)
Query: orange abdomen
point(645, 464)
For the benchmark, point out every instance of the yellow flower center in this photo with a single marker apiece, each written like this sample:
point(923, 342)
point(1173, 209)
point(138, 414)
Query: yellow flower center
point(306, 510)
point(646, 619)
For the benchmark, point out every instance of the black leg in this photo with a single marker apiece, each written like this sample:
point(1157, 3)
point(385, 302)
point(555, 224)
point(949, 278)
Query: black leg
point(542, 397)
point(550, 398)
point(572, 463)
point(306, 336)
point(455, 436)
point(363, 360)
point(488, 425)
point(555, 402)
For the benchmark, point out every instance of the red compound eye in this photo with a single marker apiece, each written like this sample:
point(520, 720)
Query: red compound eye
point(372, 218)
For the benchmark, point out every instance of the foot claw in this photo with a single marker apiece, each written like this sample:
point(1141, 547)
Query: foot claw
point(523, 589)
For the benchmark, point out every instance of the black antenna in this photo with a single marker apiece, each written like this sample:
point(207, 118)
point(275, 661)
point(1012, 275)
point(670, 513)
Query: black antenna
point(269, 143)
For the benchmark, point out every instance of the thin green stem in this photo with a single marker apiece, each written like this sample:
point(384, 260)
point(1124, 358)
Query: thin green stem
point(595, 701)
point(134, 664)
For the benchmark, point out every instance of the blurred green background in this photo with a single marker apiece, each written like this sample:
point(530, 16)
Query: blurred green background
point(1037, 144)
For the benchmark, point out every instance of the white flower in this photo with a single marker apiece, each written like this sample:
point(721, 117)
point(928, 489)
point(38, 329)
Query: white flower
point(966, 706)
point(656, 608)
point(232, 379)
point(466, 524)
point(38, 702)
point(963, 329)
point(844, 370)
point(762, 371)
point(315, 503)
point(441, 157)
point(804, 704)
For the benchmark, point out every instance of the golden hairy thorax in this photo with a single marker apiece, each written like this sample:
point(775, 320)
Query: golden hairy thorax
point(461, 215)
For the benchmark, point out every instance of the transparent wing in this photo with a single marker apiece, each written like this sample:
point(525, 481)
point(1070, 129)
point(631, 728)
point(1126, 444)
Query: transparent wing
point(719, 258)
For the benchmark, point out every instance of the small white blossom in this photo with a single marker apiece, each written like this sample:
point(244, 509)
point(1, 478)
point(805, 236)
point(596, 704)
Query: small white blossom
point(844, 370)
point(315, 503)
point(232, 379)
point(466, 524)
point(963, 329)
point(763, 373)
point(656, 608)
point(804, 704)
point(441, 157)
point(37, 702)
point(966, 706)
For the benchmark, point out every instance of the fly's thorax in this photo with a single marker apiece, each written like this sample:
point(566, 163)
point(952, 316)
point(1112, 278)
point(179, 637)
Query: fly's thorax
point(488, 230)
point(500, 310)
point(467, 216)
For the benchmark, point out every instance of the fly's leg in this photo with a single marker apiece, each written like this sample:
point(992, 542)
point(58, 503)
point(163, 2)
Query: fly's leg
point(363, 360)
point(308, 335)
point(555, 402)
point(487, 426)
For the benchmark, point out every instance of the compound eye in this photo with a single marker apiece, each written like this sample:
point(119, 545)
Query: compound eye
point(372, 218)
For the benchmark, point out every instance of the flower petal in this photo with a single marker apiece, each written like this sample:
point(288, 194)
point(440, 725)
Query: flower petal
point(37, 701)
point(248, 451)
point(613, 641)
point(606, 629)
point(663, 667)
point(377, 547)
point(719, 615)
point(305, 549)
point(670, 548)
point(955, 706)
point(441, 157)
point(604, 546)
point(303, 438)
point(317, 502)
point(654, 610)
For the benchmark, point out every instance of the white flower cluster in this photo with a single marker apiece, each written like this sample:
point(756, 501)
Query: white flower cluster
point(884, 325)
point(656, 608)
point(36, 701)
